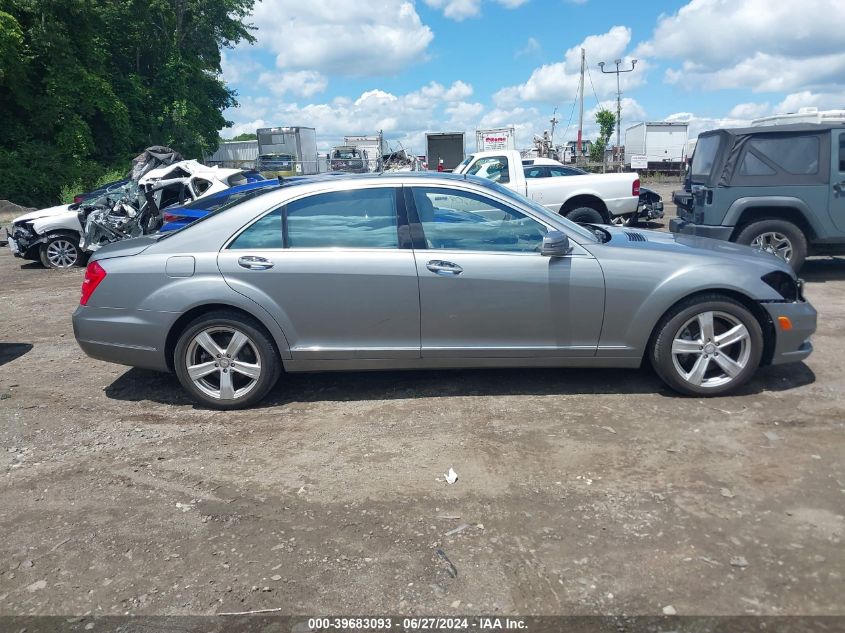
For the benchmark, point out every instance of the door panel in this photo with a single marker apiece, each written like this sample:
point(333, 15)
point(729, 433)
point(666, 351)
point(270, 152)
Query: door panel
point(510, 305)
point(330, 268)
point(485, 289)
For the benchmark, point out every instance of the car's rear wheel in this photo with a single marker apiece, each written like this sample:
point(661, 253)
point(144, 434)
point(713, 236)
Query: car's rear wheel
point(584, 215)
point(226, 360)
point(61, 251)
point(778, 237)
point(707, 346)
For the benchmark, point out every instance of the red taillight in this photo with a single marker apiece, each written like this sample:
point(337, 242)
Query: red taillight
point(94, 274)
point(77, 198)
point(635, 188)
point(169, 217)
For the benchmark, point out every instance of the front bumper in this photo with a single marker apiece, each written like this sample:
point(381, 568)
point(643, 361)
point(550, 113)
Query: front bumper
point(22, 246)
point(685, 227)
point(652, 211)
point(792, 345)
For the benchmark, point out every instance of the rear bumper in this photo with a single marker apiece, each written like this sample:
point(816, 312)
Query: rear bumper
point(792, 345)
point(125, 337)
point(685, 227)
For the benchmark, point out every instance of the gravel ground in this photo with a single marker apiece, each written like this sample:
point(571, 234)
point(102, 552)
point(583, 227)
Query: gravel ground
point(579, 492)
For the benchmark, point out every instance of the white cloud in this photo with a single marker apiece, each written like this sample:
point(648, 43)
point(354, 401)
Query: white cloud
point(459, 10)
point(749, 110)
point(403, 118)
point(532, 47)
point(557, 83)
point(762, 45)
point(302, 83)
point(338, 36)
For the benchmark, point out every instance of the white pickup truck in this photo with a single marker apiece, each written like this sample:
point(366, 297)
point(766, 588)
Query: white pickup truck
point(581, 197)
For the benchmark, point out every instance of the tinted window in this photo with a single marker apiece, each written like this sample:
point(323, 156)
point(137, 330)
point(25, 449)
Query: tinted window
point(470, 222)
point(493, 168)
point(704, 156)
point(564, 171)
point(797, 155)
point(753, 166)
point(265, 233)
point(535, 171)
point(842, 152)
point(358, 218)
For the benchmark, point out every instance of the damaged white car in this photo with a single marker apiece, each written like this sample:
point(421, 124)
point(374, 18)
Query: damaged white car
point(60, 236)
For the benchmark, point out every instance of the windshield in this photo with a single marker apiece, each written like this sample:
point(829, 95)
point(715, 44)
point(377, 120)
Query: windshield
point(346, 154)
point(704, 156)
point(466, 161)
point(588, 235)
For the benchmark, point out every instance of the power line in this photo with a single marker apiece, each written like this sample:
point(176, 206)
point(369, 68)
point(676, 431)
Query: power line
point(598, 103)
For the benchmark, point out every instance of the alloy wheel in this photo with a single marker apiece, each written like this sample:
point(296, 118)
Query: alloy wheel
point(711, 349)
point(775, 243)
point(62, 253)
point(223, 363)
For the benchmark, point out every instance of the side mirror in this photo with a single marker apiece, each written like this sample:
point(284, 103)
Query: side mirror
point(555, 244)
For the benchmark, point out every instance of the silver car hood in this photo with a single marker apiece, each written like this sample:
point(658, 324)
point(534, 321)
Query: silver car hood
point(42, 213)
point(643, 239)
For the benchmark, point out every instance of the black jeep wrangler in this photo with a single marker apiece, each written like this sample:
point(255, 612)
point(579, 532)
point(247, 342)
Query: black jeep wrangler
point(780, 188)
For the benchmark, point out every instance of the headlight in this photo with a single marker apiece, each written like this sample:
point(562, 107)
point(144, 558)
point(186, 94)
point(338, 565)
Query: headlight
point(784, 284)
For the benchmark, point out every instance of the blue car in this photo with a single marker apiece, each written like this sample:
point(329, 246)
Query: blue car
point(178, 217)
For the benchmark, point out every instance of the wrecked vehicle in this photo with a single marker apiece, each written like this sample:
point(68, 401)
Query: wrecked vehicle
point(349, 159)
point(139, 210)
point(60, 236)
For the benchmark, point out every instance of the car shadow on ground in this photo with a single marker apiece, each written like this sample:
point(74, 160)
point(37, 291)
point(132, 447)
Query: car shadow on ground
point(822, 269)
point(140, 384)
point(11, 351)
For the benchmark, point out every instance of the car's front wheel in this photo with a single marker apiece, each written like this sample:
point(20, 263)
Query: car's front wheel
point(226, 360)
point(707, 346)
point(61, 251)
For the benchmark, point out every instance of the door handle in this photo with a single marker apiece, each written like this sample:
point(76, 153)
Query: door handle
point(252, 262)
point(839, 187)
point(440, 267)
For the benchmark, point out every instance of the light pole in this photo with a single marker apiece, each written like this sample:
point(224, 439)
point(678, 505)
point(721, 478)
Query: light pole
point(617, 72)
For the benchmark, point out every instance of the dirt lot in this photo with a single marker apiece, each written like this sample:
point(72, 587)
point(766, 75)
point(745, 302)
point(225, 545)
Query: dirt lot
point(585, 491)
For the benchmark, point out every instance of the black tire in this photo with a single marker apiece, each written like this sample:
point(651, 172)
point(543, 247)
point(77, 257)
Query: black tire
point(260, 347)
point(584, 215)
point(673, 324)
point(61, 252)
point(793, 234)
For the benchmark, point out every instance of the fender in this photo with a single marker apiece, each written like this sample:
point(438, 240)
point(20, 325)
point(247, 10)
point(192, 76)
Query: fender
point(741, 205)
point(67, 221)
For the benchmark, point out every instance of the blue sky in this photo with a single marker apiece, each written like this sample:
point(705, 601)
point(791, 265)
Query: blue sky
point(353, 67)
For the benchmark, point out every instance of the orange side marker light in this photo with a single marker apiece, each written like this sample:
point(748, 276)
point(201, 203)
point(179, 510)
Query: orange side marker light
point(785, 323)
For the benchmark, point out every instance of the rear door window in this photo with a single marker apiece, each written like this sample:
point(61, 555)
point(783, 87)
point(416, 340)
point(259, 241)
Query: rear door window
point(356, 218)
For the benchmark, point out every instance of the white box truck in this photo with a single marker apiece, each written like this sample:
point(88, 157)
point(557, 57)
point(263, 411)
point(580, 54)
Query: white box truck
point(496, 138)
point(663, 143)
point(373, 145)
point(287, 151)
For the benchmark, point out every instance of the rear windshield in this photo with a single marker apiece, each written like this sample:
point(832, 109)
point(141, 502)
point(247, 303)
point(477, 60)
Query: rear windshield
point(705, 155)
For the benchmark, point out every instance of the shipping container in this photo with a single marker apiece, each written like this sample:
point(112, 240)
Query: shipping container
point(235, 154)
point(445, 146)
point(496, 138)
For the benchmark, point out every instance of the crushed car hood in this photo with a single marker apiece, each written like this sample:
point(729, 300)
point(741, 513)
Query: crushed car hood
point(42, 213)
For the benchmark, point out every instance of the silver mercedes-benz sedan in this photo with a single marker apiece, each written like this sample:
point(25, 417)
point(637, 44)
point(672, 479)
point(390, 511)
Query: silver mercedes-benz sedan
point(411, 271)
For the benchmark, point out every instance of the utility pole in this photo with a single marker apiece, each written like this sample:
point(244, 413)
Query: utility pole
point(618, 72)
point(581, 109)
point(554, 121)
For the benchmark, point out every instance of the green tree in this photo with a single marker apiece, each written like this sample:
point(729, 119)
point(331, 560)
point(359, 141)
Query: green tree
point(86, 85)
point(606, 121)
point(246, 136)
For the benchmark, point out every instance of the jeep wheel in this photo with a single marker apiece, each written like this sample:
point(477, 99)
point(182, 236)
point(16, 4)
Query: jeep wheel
point(778, 237)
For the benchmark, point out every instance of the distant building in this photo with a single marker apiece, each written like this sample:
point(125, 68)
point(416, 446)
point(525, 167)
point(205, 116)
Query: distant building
point(234, 154)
